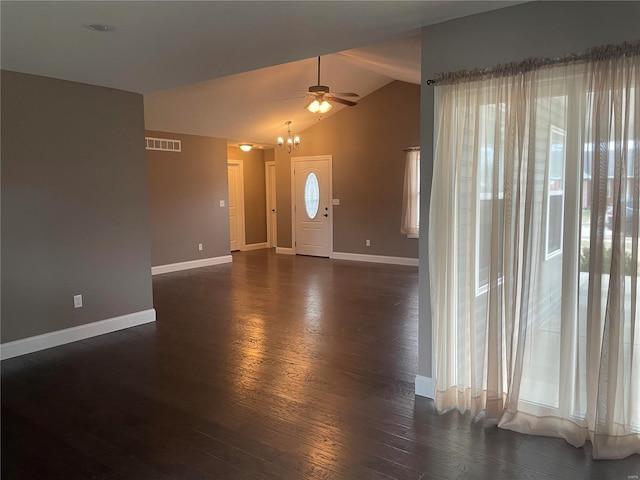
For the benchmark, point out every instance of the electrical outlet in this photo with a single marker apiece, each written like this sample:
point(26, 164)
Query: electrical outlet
point(200, 247)
point(367, 243)
point(77, 301)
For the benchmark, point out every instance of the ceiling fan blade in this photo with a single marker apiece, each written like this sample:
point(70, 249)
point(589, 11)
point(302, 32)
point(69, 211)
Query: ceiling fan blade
point(344, 94)
point(343, 101)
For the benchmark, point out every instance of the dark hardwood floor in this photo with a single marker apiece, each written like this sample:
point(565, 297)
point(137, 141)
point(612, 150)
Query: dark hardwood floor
point(273, 367)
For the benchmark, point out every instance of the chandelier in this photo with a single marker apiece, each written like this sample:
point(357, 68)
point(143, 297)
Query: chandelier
point(291, 142)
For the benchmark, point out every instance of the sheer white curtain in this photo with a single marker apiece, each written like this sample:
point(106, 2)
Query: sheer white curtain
point(410, 224)
point(534, 249)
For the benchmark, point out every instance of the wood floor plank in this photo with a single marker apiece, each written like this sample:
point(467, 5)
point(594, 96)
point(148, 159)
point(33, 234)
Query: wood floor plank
point(41, 453)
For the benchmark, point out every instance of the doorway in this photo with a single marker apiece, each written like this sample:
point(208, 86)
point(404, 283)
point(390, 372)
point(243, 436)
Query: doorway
point(312, 210)
point(236, 204)
point(272, 214)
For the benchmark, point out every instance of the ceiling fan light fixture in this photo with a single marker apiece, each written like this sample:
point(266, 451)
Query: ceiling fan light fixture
point(314, 106)
point(319, 106)
point(320, 93)
point(324, 107)
point(246, 147)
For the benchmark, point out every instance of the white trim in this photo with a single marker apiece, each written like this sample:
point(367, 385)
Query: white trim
point(361, 257)
point(285, 251)
point(424, 386)
point(203, 262)
point(256, 246)
point(73, 334)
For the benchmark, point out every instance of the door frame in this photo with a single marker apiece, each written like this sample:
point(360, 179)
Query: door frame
point(295, 160)
point(272, 236)
point(240, 206)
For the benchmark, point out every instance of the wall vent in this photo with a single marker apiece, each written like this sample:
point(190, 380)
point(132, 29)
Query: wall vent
point(163, 144)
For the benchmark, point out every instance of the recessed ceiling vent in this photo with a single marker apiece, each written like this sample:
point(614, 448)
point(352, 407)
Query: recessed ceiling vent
point(163, 144)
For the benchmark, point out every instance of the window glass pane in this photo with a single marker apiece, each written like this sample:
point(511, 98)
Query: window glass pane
point(484, 241)
point(311, 195)
point(491, 118)
point(491, 124)
point(555, 191)
point(554, 240)
point(540, 384)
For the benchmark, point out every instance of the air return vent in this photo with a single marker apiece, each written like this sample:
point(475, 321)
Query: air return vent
point(163, 144)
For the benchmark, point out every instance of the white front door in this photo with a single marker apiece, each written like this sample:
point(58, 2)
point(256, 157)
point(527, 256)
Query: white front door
point(312, 205)
point(236, 205)
point(272, 216)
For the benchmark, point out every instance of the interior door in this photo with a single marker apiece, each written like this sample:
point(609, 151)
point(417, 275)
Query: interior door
point(236, 206)
point(272, 215)
point(312, 206)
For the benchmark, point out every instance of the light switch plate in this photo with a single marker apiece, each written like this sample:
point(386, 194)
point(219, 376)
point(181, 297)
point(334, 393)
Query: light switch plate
point(77, 301)
point(222, 203)
point(336, 201)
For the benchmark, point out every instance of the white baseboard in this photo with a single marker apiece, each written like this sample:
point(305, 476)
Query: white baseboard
point(284, 251)
point(361, 257)
point(204, 262)
point(255, 246)
point(424, 387)
point(73, 334)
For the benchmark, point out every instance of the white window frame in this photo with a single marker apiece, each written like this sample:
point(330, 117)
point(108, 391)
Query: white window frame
point(549, 255)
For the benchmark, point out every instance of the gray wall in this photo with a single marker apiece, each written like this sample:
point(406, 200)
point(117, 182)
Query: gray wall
point(367, 143)
point(74, 205)
point(255, 192)
point(536, 29)
point(185, 189)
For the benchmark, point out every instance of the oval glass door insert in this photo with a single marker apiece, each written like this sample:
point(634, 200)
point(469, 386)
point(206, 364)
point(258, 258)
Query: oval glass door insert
point(311, 195)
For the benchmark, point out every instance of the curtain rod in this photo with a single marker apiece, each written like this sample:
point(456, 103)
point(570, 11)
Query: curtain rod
point(411, 149)
point(606, 52)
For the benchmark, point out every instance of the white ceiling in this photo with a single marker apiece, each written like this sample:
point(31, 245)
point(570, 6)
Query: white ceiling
point(157, 46)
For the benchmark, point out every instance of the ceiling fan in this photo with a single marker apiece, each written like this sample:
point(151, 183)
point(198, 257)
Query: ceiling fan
point(321, 96)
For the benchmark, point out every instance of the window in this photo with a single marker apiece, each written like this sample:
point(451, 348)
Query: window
point(490, 167)
point(311, 195)
point(519, 331)
point(410, 225)
point(555, 192)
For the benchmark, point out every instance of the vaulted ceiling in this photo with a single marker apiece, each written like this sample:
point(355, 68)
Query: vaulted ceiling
point(221, 68)
point(253, 106)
